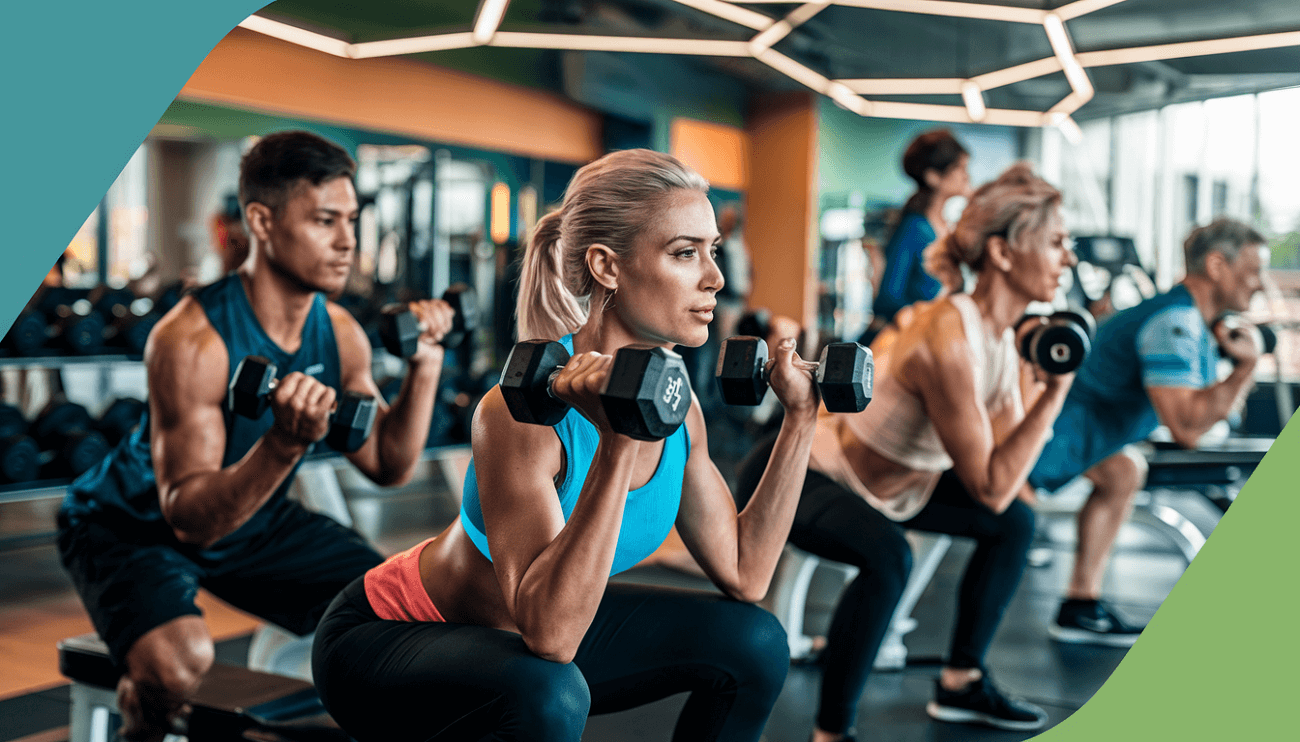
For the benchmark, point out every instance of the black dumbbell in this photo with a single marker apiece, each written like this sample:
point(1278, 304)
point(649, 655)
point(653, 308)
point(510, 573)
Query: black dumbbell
point(845, 373)
point(646, 395)
point(64, 429)
point(1059, 346)
point(249, 396)
point(120, 419)
point(27, 335)
point(72, 322)
point(1265, 337)
point(400, 329)
point(19, 454)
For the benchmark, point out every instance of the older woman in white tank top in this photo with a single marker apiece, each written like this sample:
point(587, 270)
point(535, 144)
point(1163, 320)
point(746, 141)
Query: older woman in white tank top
point(945, 446)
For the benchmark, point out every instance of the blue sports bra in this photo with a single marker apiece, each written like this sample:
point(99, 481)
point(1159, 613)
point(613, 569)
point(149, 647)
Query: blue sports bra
point(650, 510)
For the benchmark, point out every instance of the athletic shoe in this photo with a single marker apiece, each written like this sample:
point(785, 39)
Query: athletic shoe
point(982, 703)
point(1092, 622)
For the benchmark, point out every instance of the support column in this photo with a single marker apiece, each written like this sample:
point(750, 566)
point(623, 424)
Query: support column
point(781, 204)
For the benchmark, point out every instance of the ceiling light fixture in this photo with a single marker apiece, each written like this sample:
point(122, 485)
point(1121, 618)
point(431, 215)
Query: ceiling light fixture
point(489, 20)
point(296, 35)
point(847, 93)
point(973, 97)
point(1189, 49)
point(905, 86)
point(727, 11)
point(413, 45)
point(979, 11)
point(579, 42)
point(782, 28)
point(1064, 50)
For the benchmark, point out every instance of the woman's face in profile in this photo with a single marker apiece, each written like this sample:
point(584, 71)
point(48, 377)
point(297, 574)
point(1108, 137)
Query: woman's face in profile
point(1041, 257)
point(666, 293)
point(955, 181)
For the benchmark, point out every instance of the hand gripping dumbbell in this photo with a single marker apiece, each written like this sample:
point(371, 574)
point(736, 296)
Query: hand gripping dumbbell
point(1265, 337)
point(249, 396)
point(844, 374)
point(400, 329)
point(646, 395)
point(1059, 346)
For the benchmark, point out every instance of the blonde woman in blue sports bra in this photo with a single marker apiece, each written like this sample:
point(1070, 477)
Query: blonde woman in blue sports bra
point(505, 625)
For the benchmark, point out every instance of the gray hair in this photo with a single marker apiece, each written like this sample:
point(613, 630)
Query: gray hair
point(1223, 235)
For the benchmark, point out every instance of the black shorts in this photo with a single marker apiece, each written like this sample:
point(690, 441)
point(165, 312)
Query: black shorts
point(134, 576)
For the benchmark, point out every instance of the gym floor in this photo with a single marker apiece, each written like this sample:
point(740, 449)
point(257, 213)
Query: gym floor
point(38, 606)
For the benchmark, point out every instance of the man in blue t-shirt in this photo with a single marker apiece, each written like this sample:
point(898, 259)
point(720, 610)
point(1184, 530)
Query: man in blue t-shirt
point(1155, 363)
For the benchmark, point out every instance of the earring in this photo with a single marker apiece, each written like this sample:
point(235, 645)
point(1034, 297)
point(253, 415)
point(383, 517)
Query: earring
point(608, 299)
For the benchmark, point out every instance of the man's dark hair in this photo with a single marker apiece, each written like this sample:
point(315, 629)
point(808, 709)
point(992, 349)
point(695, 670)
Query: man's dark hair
point(272, 168)
point(1223, 235)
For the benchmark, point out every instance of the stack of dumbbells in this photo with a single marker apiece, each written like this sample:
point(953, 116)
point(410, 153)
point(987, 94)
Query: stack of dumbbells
point(85, 322)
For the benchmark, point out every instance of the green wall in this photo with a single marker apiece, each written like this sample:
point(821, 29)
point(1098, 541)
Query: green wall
point(865, 155)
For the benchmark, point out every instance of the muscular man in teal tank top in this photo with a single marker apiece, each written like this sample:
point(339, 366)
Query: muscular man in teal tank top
point(196, 497)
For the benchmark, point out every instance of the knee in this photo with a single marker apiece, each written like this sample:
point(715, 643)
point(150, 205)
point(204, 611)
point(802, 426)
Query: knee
point(887, 569)
point(1117, 479)
point(171, 659)
point(546, 700)
point(763, 648)
point(1017, 525)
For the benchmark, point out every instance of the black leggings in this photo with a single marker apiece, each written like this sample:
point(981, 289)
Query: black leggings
point(837, 524)
point(394, 681)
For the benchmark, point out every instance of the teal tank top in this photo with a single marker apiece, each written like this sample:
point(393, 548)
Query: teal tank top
point(649, 512)
point(122, 487)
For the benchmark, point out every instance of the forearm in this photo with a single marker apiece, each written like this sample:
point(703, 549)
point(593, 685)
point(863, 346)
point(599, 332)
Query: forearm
point(1013, 458)
point(559, 593)
point(1210, 405)
point(763, 526)
point(404, 429)
point(203, 508)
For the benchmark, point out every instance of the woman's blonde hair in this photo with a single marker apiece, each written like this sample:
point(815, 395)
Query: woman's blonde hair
point(608, 202)
point(1017, 203)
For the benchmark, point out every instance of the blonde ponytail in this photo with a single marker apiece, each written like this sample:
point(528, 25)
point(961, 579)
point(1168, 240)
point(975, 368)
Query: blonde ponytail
point(546, 308)
point(608, 202)
point(943, 259)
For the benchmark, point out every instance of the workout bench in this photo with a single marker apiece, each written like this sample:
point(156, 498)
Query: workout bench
point(229, 702)
point(788, 597)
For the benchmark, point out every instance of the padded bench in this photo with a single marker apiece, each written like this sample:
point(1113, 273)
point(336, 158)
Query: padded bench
point(229, 701)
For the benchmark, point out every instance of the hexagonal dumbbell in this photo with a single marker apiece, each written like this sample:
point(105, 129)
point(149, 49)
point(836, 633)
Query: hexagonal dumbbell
point(1265, 337)
point(249, 393)
point(844, 374)
point(1059, 346)
point(400, 329)
point(646, 395)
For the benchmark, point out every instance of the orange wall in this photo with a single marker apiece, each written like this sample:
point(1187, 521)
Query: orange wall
point(401, 96)
point(781, 204)
point(718, 152)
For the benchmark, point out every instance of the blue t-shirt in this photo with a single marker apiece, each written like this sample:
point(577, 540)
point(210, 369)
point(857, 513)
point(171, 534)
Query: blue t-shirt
point(905, 281)
point(649, 512)
point(1163, 341)
point(122, 491)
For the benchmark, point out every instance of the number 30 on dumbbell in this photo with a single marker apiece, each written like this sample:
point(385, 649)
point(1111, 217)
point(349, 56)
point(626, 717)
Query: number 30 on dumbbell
point(844, 374)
